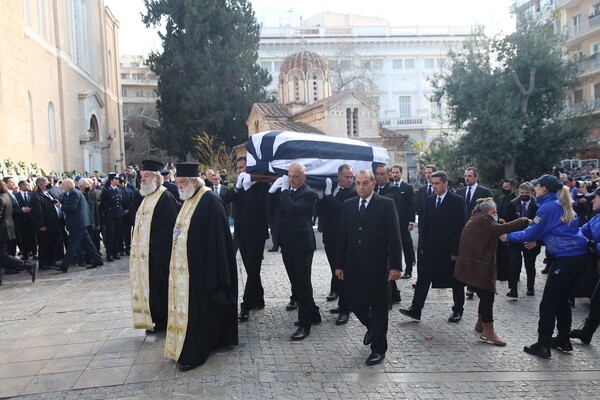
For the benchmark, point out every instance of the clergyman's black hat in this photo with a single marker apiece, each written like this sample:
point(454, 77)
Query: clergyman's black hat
point(187, 170)
point(152, 165)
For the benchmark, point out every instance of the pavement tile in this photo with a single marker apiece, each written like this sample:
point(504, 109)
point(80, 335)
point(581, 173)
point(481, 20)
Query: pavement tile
point(102, 377)
point(52, 382)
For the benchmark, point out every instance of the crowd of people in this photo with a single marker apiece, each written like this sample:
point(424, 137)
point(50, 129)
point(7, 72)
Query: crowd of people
point(183, 274)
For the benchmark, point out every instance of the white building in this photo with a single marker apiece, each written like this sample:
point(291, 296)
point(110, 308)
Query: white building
point(391, 65)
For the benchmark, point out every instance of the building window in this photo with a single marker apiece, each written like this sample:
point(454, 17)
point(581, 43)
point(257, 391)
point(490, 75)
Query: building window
point(277, 66)
point(345, 64)
point(348, 122)
point(124, 76)
point(124, 92)
point(436, 109)
point(409, 63)
point(355, 122)
point(377, 64)
point(576, 24)
point(366, 64)
point(404, 106)
point(30, 101)
point(578, 96)
point(429, 63)
point(125, 128)
point(266, 66)
point(125, 111)
point(411, 154)
point(397, 64)
point(139, 93)
point(597, 91)
point(51, 126)
point(110, 71)
point(595, 49)
point(296, 89)
point(594, 10)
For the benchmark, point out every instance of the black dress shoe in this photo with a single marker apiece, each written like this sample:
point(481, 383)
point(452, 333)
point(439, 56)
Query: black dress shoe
point(375, 358)
point(530, 292)
point(60, 268)
point(82, 265)
point(546, 270)
point(396, 298)
point(342, 319)
point(292, 305)
point(32, 268)
point(406, 275)
point(258, 306)
point(10, 271)
point(513, 293)
point(368, 338)
point(185, 367)
point(244, 315)
point(301, 333)
point(411, 312)
point(331, 296)
point(116, 257)
point(455, 317)
point(109, 259)
point(95, 265)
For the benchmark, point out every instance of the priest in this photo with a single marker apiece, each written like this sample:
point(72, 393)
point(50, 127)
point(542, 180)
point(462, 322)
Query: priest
point(151, 251)
point(203, 275)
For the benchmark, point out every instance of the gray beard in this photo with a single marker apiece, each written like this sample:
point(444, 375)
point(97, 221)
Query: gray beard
point(149, 188)
point(187, 192)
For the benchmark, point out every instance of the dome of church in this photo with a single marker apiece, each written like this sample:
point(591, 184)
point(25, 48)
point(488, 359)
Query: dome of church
point(304, 61)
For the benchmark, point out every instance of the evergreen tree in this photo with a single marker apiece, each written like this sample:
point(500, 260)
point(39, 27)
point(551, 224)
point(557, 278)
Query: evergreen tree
point(508, 96)
point(208, 71)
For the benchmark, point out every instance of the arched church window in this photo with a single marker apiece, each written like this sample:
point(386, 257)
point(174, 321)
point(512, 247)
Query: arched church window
point(355, 122)
point(348, 121)
point(296, 89)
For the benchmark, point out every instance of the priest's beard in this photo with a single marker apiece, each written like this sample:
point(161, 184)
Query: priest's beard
point(148, 188)
point(187, 192)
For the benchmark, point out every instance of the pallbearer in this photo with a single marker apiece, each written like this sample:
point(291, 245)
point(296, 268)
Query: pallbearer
point(151, 251)
point(203, 276)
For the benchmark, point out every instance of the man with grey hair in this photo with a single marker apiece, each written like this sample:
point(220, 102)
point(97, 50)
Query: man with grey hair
point(45, 213)
point(151, 250)
point(297, 241)
point(522, 206)
point(368, 257)
point(77, 220)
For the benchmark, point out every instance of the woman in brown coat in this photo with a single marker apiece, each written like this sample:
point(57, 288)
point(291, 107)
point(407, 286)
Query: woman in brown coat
point(476, 263)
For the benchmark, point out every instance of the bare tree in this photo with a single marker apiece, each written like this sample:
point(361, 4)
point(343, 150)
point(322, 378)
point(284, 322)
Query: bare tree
point(351, 71)
point(214, 155)
point(138, 146)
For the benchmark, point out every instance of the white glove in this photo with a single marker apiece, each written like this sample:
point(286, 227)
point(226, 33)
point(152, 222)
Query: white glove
point(276, 185)
point(319, 193)
point(285, 185)
point(247, 182)
point(328, 186)
point(238, 184)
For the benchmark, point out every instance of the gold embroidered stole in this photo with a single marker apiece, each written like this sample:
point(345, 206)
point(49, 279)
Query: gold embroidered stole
point(179, 279)
point(139, 275)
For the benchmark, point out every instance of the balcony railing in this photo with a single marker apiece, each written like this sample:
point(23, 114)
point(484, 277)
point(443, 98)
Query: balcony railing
point(400, 122)
point(584, 27)
point(361, 31)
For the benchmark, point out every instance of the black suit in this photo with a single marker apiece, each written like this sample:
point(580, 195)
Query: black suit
point(329, 209)
point(111, 201)
point(222, 193)
point(424, 192)
point(405, 205)
point(77, 219)
point(440, 236)
point(502, 253)
point(17, 217)
point(479, 193)
point(251, 233)
point(368, 248)
point(297, 241)
point(44, 215)
point(518, 252)
point(172, 188)
point(27, 241)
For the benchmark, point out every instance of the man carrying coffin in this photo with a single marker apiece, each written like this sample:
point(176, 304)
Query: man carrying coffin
point(203, 275)
point(151, 251)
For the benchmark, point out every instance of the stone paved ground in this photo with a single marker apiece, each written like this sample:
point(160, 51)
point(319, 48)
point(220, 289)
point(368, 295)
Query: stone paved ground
point(69, 336)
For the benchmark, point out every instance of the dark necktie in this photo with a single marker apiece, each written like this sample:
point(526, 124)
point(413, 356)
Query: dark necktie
point(363, 208)
point(429, 191)
point(469, 194)
point(438, 202)
point(523, 209)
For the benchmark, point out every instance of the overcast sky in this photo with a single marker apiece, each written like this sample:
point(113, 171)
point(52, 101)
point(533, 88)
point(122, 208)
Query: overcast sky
point(134, 38)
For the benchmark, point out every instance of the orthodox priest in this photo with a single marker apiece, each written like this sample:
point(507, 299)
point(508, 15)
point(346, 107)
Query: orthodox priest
point(203, 275)
point(151, 251)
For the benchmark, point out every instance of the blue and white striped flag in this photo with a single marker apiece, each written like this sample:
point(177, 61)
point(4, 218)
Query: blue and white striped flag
point(274, 152)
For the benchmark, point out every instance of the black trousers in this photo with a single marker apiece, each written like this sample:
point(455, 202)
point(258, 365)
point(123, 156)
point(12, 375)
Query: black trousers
point(593, 319)
point(486, 305)
point(28, 244)
point(408, 249)
point(375, 318)
point(554, 307)
point(113, 235)
point(518, 253)
point(50, 246)
point(80, 238)
point(336, 285)
point(252, 256)
point(126, 231)
point(422, 289)
point(274, 226)
point(298, 267)
point(6, 259)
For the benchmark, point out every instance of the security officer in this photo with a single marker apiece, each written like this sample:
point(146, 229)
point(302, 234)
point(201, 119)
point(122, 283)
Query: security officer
point(111, 203)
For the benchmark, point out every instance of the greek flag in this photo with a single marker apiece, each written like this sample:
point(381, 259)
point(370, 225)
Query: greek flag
point(274, 152)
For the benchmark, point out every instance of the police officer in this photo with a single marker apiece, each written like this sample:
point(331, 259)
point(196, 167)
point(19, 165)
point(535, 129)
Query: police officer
point(111, 203)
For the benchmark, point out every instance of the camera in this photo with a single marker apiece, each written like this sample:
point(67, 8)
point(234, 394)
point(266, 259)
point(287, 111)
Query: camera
point(590, 185)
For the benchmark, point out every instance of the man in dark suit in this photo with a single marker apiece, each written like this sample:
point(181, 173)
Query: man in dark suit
point(128, 192)
point(471, 193)
point(424, 192)
point(406, 216)
point(112, 208)
point(170, 186)
point(251, 232)
point(77, 220)
point(441, 226)
point(28, 243)
point(369, 255)
point(48, 230)
point(85, 187)
point(297, 241)
point(17, 217)
point(221, 191)
point(522, 206)
point(329, 209)
point(502, 253)
point(385, 188)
